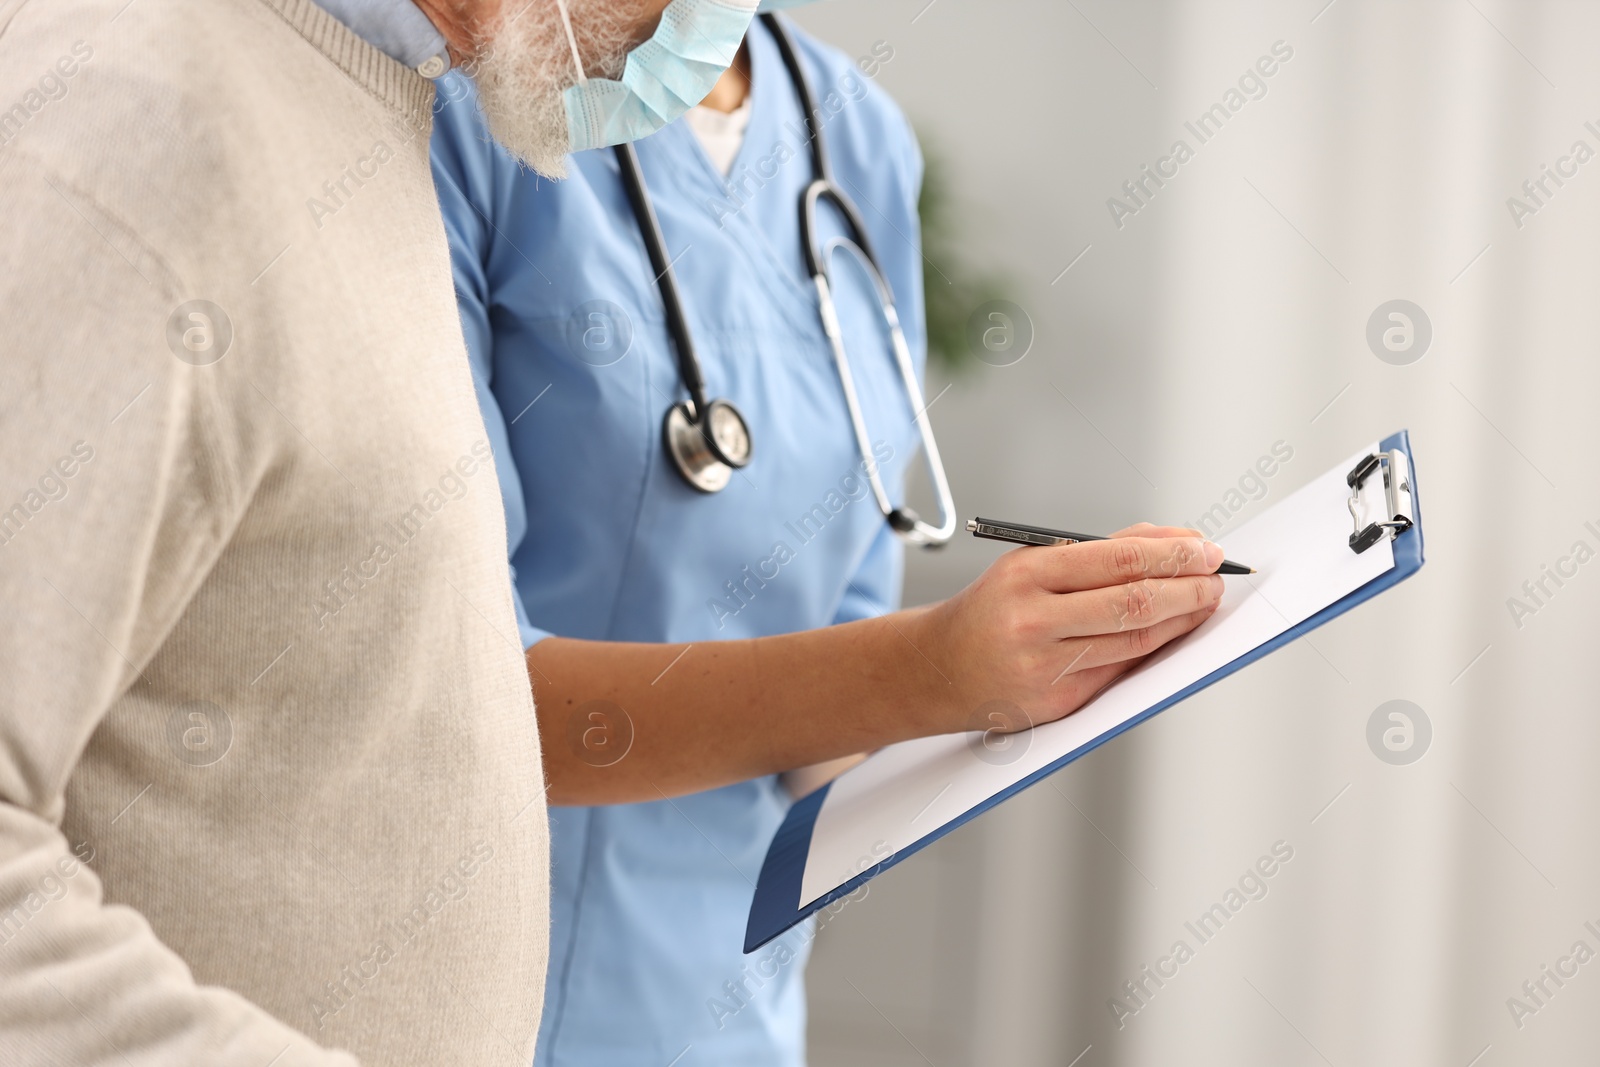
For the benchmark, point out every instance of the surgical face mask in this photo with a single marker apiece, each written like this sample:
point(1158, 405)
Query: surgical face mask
point(525, 66)
point(693, 45)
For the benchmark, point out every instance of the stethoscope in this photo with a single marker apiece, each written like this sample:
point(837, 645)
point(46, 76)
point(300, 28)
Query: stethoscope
point(708, 440)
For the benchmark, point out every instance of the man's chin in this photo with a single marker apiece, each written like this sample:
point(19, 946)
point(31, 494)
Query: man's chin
point(525, 66)
point(554, 171)
point(543, 151)
point(543, 163)
point(521, 76)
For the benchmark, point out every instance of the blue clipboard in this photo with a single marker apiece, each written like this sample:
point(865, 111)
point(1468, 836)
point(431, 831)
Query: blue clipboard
point(777, 907)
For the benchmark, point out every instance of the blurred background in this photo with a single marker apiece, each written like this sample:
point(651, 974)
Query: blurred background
point(1173, 343)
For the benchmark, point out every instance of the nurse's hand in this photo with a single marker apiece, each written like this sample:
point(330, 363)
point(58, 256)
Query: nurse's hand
point(1045, 629)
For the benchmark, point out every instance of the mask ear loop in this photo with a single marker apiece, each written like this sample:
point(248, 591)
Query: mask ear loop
point(572, 40)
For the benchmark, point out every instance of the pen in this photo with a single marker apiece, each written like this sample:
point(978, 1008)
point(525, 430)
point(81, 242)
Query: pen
point(1018, 534)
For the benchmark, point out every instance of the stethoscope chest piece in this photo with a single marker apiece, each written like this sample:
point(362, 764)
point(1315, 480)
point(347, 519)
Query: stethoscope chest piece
point(706, 452)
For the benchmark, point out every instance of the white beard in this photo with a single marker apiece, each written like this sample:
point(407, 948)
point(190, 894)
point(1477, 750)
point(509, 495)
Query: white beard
point(524, 65)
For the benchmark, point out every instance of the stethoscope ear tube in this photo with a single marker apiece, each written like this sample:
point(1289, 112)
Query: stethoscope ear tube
point(904, 521)
point(824, 189)
point(802, 91)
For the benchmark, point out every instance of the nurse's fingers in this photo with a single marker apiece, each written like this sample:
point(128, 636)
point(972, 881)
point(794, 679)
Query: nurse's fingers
point(1119, 609)
point(1105, 649)
point(1120, 560)
point(1145, 529)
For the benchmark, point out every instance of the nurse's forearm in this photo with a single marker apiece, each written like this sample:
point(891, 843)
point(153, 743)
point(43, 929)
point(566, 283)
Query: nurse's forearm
point(712, 713)
point(1033, 639)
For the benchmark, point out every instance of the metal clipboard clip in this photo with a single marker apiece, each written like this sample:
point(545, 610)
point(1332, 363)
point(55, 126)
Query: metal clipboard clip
point(1397, 496)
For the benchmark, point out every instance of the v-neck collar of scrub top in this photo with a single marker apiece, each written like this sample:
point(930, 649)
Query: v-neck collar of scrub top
point(770, 91)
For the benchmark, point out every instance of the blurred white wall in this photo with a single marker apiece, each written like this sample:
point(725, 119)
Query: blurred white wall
point(1228, 314)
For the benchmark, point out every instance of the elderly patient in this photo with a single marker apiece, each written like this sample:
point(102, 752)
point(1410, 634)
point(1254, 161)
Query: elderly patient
point(269, 779)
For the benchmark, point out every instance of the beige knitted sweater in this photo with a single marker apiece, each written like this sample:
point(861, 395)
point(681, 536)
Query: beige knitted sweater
point(269, 777)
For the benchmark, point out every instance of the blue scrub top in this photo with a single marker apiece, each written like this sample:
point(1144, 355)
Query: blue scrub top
point(575, 371)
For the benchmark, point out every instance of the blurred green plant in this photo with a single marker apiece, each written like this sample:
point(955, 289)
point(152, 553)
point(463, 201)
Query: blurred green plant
point(952, 287)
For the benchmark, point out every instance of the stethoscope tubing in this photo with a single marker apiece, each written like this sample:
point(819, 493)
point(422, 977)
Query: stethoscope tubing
point(822, 187)
point(655, 244)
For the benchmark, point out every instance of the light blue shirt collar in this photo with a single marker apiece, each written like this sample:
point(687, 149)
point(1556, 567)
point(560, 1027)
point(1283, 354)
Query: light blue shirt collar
point(398, 29)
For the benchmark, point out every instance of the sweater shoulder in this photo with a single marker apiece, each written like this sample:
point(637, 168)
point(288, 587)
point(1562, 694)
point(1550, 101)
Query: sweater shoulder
point(200, 126)
point(161, 83)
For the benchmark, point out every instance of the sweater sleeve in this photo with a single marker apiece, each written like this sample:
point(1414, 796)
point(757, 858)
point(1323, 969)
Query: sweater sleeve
point(467, 171)
point(120, 481)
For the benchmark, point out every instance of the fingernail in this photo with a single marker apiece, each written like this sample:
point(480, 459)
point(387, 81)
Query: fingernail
point(1213, 555)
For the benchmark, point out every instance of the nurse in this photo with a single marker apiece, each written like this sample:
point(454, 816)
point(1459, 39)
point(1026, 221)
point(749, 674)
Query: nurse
point(691, 651)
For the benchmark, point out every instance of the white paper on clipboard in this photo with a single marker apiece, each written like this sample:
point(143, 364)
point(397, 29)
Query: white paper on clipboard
point(906, 791)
